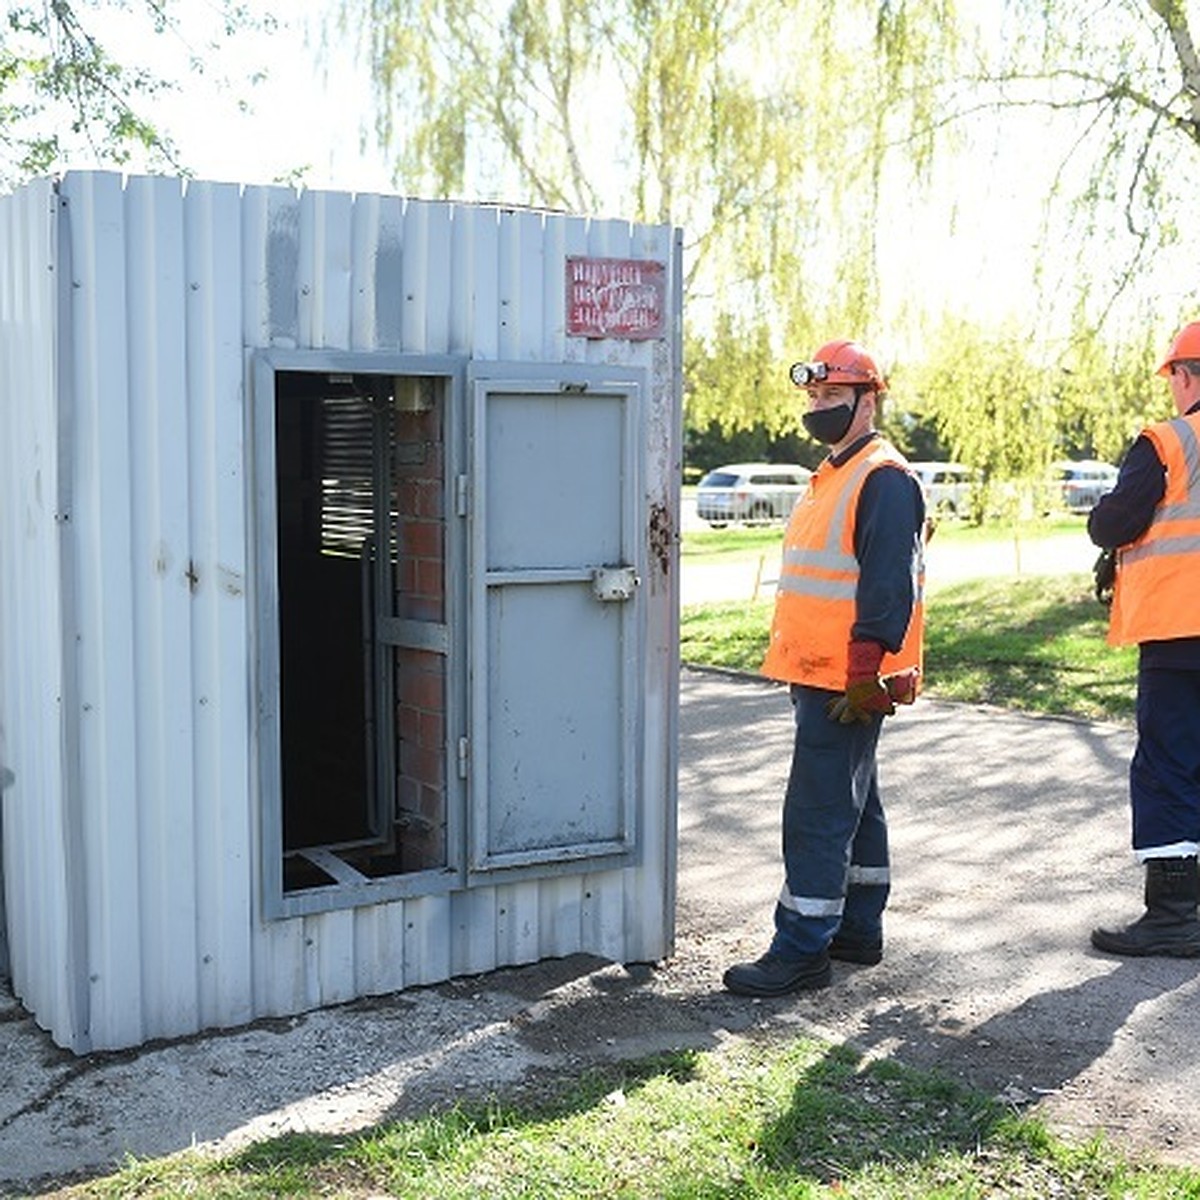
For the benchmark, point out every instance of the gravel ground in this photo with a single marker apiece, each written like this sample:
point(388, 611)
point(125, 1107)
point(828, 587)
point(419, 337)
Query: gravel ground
point(1009, 841)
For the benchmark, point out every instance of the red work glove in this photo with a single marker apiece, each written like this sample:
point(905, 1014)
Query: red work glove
point(866, 695)
point(902, 687)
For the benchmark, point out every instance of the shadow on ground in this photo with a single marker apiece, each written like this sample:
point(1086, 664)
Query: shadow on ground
point(1009, 842)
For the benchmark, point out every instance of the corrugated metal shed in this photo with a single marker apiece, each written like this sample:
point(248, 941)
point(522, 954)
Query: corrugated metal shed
point(142, 322)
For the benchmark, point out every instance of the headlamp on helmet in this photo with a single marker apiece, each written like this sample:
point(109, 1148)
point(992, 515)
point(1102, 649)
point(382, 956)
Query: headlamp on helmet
point(841, 361)
point(805, 373)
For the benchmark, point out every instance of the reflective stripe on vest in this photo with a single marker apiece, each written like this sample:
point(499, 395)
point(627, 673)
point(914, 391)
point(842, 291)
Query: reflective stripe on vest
point(818, 584)
point(800, 563)
point(1158, 576)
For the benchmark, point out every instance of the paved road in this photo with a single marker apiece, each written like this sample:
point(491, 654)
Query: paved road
point(1009, 842)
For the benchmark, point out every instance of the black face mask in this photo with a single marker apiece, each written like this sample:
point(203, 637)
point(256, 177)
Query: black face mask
point(830, 425)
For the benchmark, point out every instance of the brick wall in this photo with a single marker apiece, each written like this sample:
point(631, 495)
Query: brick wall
point(419, 489)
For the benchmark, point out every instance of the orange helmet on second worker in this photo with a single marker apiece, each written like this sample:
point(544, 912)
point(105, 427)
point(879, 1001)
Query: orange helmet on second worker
point(1185, 345)
point(841, 361)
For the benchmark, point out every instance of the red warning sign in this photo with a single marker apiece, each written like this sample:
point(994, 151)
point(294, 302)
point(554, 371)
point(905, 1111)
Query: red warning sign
point(616, 298)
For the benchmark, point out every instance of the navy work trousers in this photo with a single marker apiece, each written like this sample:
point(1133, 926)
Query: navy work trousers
point(835, 845)
point(1164, 775)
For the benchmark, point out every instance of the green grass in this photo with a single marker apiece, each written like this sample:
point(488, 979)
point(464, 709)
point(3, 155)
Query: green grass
point(1033, 644)
point(738, 543)
point(734, 544)
point(1030, 529)
point(758, 1119)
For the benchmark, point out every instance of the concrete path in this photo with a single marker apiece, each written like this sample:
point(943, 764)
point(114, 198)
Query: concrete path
point(1009, 843)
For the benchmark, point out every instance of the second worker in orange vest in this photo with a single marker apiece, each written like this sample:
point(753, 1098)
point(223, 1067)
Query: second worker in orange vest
point(847, 637)
point(1152, 519)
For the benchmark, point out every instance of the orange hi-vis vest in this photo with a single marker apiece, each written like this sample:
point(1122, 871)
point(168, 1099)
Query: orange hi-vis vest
point(1158, 576)
point(818, 580)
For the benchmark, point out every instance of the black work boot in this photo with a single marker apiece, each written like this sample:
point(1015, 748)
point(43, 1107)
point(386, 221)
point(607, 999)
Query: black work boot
point(1169, 927)
point(849, 947)
point(775, 976)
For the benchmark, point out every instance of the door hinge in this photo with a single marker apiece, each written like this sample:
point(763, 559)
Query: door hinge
point(462, 495)
point(464, 756)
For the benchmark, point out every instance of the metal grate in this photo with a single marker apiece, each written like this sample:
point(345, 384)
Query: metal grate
point(347, 494)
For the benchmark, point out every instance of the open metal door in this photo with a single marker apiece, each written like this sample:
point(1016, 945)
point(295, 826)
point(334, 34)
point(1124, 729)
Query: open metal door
point(555, 620)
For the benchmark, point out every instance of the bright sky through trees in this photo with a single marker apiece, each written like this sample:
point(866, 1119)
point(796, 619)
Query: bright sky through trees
point(969, 244)
point(275, 105)
point(882, 172)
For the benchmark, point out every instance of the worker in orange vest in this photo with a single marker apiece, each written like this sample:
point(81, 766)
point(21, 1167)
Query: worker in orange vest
point(1152, 518)
point(847, 636)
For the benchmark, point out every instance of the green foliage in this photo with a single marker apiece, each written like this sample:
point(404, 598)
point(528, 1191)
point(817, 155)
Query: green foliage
point(712, 446)
point(777, 136)
point(672, 112)
point(733, 383)
point(991, 404)
point(66, 97)
point(1000, 409)
point(1107, 395)
point(979, 397)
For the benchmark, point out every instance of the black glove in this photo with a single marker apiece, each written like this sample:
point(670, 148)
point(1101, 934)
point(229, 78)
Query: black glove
point(1105, 573)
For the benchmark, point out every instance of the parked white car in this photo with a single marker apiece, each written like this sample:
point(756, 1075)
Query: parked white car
point(947, 487)
point(1082, 483)
point(750, 492)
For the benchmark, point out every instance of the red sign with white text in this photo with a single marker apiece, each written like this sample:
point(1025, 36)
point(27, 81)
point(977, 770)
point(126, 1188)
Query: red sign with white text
point(616, 298)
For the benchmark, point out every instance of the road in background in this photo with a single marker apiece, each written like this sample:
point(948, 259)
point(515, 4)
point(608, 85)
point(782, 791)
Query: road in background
point(945, 562)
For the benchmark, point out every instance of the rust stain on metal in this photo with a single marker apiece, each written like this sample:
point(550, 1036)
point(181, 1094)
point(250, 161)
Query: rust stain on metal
point(662, 536)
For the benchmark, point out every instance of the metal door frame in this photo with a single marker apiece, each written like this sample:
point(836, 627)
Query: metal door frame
point(350, 888)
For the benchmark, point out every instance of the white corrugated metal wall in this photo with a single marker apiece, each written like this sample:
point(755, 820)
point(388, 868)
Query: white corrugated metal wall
point(37, 841)
point(137, 796)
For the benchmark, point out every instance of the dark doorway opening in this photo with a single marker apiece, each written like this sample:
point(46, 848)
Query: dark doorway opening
point(327, 430)
point(360, 555)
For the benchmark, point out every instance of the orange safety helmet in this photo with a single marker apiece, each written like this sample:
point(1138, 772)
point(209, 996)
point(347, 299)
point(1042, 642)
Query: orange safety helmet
point(1185, 345)
point(841, 361)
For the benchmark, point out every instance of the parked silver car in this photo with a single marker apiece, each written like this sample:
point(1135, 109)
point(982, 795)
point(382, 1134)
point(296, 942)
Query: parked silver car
point(1082, 483)
point(750, 492)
